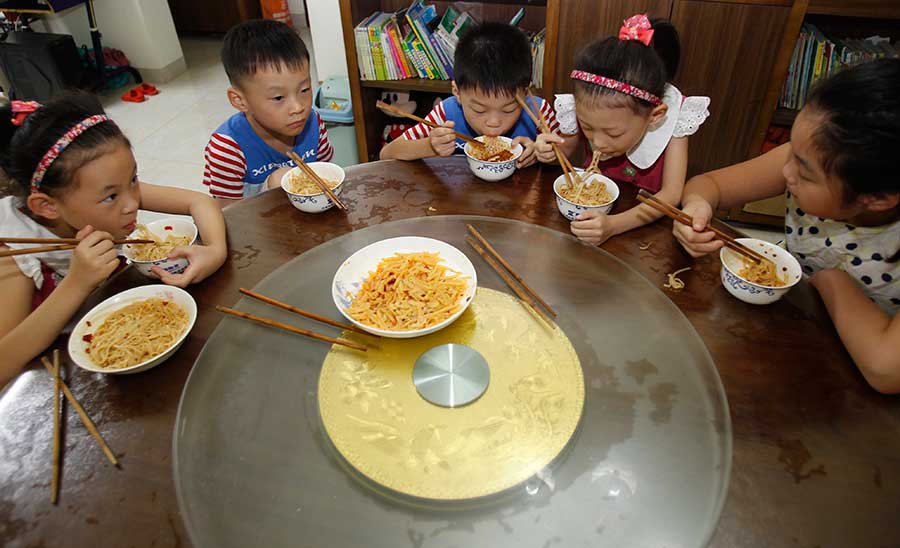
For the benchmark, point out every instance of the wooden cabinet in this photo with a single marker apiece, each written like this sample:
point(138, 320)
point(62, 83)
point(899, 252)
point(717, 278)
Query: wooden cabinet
point(212, 15)
point(727, 52)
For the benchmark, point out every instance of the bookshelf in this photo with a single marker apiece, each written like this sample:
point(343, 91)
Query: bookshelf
point(539, 14)
point(842, 18)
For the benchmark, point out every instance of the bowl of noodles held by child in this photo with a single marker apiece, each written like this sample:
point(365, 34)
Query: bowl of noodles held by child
point(598, 193)
point(404, 287)
point(303, 191)
point(167, 234)
point(134, 330)
point(759, 283)
point(496, 160)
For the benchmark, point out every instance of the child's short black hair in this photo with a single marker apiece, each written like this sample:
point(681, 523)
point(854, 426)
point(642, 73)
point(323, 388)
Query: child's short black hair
point(22, 148)
point(494, 58)
point(631, 62)
point(260, 43)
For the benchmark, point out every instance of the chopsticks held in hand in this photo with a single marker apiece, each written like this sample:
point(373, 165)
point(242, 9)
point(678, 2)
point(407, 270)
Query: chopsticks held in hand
point(62, 244)
point(323, 186)
point(396, 111)
point(291, 328)
point(682, 217)
point(512, 279)
point(572, 177)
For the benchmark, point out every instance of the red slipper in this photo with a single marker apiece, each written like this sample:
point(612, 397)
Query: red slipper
point(133, 96)
point(148, 89)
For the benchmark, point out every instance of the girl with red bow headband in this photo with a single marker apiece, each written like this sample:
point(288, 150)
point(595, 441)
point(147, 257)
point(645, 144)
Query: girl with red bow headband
point(73, 175)
point(627, 112)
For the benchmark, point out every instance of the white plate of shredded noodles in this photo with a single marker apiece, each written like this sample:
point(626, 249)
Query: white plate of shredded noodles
point(404, 287)
point(134, 330)
point(167, 234)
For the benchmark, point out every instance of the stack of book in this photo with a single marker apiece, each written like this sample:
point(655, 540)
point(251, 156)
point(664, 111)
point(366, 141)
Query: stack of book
point(411, 43)
point(817, 55)
point(417, 43)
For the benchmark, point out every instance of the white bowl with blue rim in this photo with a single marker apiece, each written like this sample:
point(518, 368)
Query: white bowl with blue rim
point(753, 293)
point(572, 210)
point(79, 340)
point(318, 202)
point(170, 226)
point(354, 271)
point(494, 171)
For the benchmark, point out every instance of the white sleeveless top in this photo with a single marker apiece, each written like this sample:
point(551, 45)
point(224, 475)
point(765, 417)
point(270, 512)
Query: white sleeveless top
point(15, 224)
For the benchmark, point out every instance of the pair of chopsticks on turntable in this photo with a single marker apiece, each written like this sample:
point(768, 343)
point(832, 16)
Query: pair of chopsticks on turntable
point(291, 328)
point(60, 244)
point(682, 217)
point(512, 279)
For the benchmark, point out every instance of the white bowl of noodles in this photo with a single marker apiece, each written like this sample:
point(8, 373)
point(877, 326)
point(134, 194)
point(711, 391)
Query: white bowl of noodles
point(502, 148)
point(359, 283)
point(169, 233)
point(592, 197)
point(759, 284)
point(134, 330)
point(303, 192)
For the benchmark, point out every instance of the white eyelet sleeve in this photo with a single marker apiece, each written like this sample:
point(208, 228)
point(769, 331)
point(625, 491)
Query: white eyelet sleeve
point(694, 111)
point(564, 105)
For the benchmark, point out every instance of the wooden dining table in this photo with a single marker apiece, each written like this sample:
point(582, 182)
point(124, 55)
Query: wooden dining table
point(816, 451)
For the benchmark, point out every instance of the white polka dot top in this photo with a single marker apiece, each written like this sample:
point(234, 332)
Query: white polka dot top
point(861, 251)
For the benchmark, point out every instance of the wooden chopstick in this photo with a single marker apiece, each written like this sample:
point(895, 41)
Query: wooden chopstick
point(682, 217)
point(572, 177)
point(50, 248)
point(85, 419)
point(61, 241)
point(306, 313)
point(54, 480)
point(509, 281)
point(30, 250)
point(323, 186)
point(394, 110)
point(291, 328)
point(505, 264)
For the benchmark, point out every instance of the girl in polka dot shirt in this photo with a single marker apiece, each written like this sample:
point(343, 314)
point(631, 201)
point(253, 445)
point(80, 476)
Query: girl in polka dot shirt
point(841, 176)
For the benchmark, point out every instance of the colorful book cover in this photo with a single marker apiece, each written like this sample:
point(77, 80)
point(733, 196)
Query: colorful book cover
point(375, 41)
point(446, 62)
point(363, 49)
point(394, 32)
point(419, 16)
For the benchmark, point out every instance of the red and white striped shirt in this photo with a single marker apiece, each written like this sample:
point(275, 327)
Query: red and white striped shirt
point(437, 116)
point(238, 161)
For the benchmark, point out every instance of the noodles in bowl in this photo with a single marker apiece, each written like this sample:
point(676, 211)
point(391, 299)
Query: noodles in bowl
point(759, 283)
point(494, 161)
point(298, 182)
point(495, 149)
point(404, 287)
point(593, 193)
point(599, 193)
point(409, 291)
point(134, 330)
point(159, 249)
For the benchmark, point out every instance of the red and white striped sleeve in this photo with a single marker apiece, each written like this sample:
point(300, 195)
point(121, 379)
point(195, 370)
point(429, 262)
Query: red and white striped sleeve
point(325, 152)
point(420, 130)
point(549, 115)
point(225, 167)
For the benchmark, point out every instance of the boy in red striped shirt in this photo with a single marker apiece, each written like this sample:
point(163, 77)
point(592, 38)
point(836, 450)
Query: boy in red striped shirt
point(268, 66)
point(491, 64)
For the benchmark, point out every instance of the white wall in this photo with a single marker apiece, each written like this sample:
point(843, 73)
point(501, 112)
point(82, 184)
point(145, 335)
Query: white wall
point(143, 29)
point(327, 36)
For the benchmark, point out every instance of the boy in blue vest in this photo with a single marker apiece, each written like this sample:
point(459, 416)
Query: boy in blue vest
point(491, 64)
point(268, 66)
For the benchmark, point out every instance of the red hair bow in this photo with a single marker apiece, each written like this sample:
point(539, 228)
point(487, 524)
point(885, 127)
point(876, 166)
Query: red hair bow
point(21, 110)
point(637, 27)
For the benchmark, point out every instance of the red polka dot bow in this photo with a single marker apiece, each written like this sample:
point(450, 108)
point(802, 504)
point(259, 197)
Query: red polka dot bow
point(637, 27)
